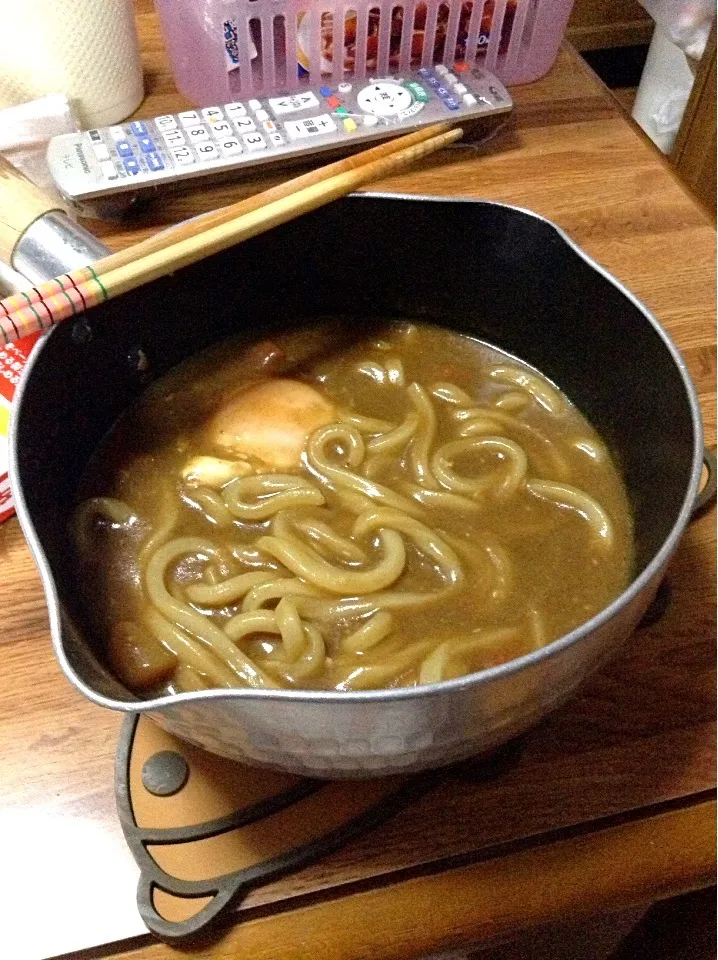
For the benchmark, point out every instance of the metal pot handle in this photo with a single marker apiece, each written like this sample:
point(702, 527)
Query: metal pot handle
point(704, 499)
point(707, 494)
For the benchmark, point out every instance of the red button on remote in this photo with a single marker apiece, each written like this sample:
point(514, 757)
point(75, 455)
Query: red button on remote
point(333, 102)
point(461, 67)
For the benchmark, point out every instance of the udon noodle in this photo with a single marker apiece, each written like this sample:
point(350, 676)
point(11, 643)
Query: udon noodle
point(323, 512)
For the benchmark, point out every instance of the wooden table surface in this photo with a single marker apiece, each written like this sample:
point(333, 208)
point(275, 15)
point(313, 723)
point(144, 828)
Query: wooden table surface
point(611, 804)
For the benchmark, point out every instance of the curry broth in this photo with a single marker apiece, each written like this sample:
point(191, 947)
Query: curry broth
point(532, 568)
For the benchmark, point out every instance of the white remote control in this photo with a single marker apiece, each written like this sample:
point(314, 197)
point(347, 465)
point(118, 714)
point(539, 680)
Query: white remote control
point(227, 139)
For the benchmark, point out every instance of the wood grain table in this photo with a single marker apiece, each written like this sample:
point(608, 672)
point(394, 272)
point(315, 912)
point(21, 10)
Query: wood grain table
point(611, 804)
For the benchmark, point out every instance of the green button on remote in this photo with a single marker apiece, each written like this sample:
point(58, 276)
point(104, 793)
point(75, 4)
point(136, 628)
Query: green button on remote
point(419, 93)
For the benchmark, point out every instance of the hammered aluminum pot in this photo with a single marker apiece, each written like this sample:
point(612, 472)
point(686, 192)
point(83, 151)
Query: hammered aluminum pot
point(498, 273)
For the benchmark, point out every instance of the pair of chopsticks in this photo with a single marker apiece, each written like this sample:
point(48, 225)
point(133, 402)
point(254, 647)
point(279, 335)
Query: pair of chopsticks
point(42, 307)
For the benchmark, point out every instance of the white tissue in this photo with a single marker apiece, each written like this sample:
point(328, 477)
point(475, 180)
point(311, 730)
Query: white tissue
point(25, 131)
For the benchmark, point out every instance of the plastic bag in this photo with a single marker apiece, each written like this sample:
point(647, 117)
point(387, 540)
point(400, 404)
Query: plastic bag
point(686, 23)
point(25, 131)
point(679, 40)
point(663, 92)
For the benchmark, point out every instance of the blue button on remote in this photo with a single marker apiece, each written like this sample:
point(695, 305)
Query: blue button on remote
point(124, 149)
point(132, 166)
point(451, 103)
point(154, 161)
point(443, 92)
point(433, 82)
point(325, 91)
point(138, 128)
point(424, 72)
point(146, 144)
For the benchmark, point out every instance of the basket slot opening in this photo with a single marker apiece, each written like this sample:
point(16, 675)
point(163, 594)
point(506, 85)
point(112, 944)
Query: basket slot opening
point(396, 34)
point(441, 36)
point(351, 20)
point(348, 43)
point(279, 35)
point(372, 40)
point(259, 64)
point(495, 32)
point(405, 45)
point(418, 31)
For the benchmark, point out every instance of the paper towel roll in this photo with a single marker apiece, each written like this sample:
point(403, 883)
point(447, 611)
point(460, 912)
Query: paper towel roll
point(86, 49)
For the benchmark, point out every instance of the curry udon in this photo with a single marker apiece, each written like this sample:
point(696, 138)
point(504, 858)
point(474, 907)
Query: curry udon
point(329, 512)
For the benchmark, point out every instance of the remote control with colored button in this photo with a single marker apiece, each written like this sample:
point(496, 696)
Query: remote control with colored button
point(134, 157)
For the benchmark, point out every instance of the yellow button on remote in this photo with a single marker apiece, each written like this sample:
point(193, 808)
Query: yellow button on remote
point(349, 125)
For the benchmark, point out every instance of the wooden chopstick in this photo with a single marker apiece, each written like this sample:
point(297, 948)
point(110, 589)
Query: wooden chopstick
point(160, 255)
point(215, 217)
point(204, 242)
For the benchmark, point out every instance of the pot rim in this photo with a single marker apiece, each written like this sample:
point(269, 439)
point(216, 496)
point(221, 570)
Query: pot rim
point(391, 695)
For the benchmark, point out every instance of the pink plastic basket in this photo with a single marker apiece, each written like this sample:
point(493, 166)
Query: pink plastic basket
point(223, 49)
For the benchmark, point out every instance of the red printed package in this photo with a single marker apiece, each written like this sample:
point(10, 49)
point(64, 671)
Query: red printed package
point(13, 357)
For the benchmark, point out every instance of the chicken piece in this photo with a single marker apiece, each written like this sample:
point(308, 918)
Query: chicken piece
point(213, 472)
point(271, 422)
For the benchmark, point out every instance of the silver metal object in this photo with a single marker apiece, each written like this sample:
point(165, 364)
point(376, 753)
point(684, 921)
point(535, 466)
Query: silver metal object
point(53, 245)
point(367, 733)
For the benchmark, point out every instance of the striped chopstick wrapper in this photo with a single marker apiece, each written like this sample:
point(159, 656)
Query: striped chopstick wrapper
point(42, 307)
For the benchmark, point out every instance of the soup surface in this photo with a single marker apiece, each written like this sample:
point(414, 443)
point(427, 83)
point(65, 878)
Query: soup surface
point(341, 511)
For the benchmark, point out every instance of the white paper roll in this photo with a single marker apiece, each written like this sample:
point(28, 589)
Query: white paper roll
point(86, 49)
